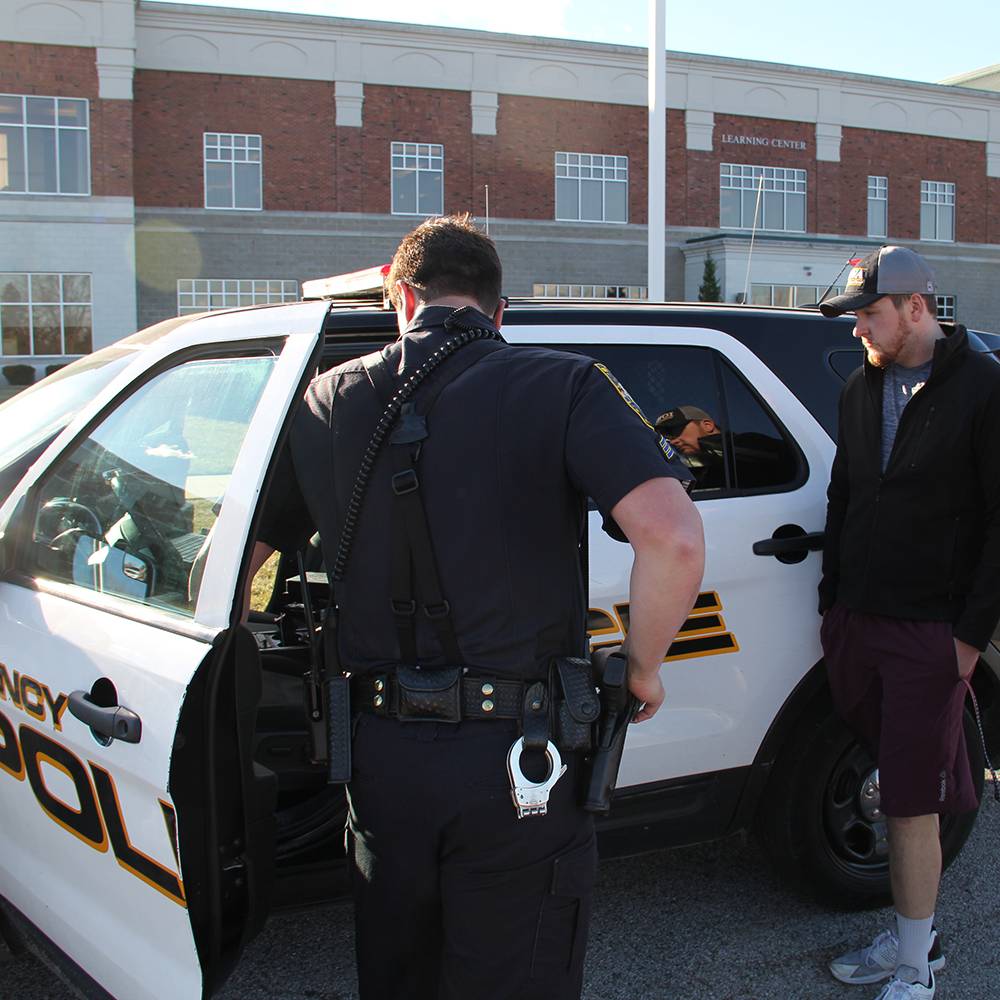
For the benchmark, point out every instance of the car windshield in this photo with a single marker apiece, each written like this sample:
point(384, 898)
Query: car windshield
point(30, 420)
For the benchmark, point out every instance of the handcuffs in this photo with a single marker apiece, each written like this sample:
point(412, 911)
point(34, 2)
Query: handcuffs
point(532, 798)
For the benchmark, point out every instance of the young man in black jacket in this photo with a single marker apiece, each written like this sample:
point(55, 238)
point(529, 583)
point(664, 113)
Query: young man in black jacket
point(911, 581)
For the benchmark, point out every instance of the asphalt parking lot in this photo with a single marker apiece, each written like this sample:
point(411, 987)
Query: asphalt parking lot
point(701, 923)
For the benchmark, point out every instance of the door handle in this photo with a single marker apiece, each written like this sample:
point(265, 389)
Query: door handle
point(114, 723)
point(811, 541)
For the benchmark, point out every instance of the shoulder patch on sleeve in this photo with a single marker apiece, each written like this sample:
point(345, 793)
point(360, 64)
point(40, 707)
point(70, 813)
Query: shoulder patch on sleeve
point(623, 392)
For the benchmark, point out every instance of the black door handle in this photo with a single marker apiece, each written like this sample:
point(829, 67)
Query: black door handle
point(807, 542)
point(112, 723)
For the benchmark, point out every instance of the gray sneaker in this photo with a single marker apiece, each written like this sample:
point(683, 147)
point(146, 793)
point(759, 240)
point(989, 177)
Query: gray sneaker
point(878, 960)
point(901, 989)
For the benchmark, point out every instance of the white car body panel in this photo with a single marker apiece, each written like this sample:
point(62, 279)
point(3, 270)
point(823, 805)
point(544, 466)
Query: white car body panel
point(719, 707)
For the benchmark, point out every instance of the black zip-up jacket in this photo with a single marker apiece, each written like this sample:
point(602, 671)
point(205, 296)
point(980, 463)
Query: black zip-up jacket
point(921, 540)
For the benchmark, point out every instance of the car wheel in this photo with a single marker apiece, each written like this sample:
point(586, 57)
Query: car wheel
point(818, 820)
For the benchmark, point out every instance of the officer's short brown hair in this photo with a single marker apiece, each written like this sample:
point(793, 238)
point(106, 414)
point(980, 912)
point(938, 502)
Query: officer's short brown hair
point(448, 256)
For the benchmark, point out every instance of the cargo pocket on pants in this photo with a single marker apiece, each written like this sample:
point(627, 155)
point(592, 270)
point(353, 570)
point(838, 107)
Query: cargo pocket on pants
point(561, 935)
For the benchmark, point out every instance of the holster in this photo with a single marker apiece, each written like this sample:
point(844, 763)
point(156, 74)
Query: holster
point(618, 708)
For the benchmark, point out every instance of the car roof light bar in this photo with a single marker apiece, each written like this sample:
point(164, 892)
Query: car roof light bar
point(366, 284)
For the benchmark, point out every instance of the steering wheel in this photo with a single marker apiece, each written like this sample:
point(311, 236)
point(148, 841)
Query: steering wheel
point(61, 515)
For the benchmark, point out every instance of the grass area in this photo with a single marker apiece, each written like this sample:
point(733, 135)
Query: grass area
point(263, 583)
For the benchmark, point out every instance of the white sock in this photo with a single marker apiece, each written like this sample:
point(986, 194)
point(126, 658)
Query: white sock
point(914, 943)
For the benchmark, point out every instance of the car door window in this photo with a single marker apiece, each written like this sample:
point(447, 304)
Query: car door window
point(130, 510)
point(720, 427)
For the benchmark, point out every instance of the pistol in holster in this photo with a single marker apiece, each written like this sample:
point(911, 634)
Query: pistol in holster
point(619, 707)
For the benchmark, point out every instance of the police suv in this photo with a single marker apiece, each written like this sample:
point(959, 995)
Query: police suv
point(159, 796)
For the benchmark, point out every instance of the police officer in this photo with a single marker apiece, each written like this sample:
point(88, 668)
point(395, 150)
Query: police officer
point(455, 896)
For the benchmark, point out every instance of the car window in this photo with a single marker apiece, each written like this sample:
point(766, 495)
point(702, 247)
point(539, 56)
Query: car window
point(130, 510)
point(711, 416)
point(33, 417)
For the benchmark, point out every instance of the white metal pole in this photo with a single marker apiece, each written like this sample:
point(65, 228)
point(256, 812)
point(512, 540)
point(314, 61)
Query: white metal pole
point(657, 211)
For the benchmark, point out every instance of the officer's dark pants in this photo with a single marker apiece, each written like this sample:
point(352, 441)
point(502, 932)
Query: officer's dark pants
point(454, 896)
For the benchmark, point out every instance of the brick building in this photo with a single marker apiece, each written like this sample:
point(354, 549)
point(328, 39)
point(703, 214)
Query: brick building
point(158, 159)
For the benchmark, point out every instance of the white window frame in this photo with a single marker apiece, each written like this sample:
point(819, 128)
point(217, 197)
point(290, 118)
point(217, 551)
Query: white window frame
point(425, 160)
point(552, 290)
point(21, 137)
point(878, 206)
point(778, 184)
point(937, 211)
point(244, 154)
point(35, 301)
point(601, 174)
point(197, 295)
point(947, 308)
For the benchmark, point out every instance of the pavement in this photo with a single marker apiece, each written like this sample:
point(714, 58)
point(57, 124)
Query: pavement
point(711, 922)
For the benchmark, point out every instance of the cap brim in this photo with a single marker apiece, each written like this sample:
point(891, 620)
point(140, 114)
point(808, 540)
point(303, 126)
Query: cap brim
point(848, 302)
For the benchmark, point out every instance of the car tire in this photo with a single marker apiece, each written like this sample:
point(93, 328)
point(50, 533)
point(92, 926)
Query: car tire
point(816, 825)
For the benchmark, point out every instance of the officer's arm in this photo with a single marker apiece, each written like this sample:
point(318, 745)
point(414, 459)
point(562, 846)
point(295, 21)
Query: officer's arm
point(664, 529)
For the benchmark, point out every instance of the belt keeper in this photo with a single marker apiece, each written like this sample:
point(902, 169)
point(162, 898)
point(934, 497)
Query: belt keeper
point(535, 717)
point(487, 695)
point(380, 698)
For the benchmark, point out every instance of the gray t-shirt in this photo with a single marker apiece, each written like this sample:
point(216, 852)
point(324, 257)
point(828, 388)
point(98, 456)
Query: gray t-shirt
point(898, 388)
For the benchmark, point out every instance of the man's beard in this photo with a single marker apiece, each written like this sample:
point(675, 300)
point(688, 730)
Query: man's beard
point(886, 354)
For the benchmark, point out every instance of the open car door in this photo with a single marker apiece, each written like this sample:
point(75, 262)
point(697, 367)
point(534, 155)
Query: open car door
point(138, 838)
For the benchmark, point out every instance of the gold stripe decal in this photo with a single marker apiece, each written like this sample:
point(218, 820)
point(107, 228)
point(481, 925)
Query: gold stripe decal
point(702, 634)
point(624, 393)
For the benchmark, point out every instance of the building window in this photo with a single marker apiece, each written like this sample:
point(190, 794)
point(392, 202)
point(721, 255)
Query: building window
point(782, 198)
point(417, 179)
point(590, 291)
point(788, 295)
point(195, 295)
point(937, 211)
point(591, 187)
point(878, 206)
point(44, 145)
point(232, 171)
point(945, 308)
point(45, 314)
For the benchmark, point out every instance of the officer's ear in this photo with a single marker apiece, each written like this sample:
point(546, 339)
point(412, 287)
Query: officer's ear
point(408, 303)
point(498, 315)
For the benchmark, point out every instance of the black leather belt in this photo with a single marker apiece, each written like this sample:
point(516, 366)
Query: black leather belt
point(481, 697)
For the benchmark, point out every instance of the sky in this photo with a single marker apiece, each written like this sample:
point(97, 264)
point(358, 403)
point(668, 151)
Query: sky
point(927, 40)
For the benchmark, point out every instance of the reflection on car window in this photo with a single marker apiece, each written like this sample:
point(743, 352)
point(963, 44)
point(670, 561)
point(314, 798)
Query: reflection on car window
point(131, 510)
point(711, 417)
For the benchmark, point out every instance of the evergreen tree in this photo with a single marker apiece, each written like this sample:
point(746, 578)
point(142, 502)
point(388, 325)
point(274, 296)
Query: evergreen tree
point(709, 291)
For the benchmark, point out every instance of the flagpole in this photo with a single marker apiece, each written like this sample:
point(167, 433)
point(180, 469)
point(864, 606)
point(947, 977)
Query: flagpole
point(657, 158)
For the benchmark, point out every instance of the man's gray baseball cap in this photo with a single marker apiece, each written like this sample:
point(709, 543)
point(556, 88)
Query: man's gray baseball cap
point(887, 271)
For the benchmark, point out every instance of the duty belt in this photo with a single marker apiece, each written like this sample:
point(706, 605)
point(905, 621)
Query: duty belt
point(432, 697)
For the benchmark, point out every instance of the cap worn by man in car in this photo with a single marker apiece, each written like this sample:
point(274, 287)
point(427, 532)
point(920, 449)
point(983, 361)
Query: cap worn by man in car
point(887, 271)
point(671, 423)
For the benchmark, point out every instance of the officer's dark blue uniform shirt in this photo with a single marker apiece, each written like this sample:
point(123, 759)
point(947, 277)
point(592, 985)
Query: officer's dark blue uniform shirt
point(516, 444)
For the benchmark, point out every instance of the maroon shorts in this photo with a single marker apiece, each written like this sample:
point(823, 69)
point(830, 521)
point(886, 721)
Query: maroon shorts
point(895, 683)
